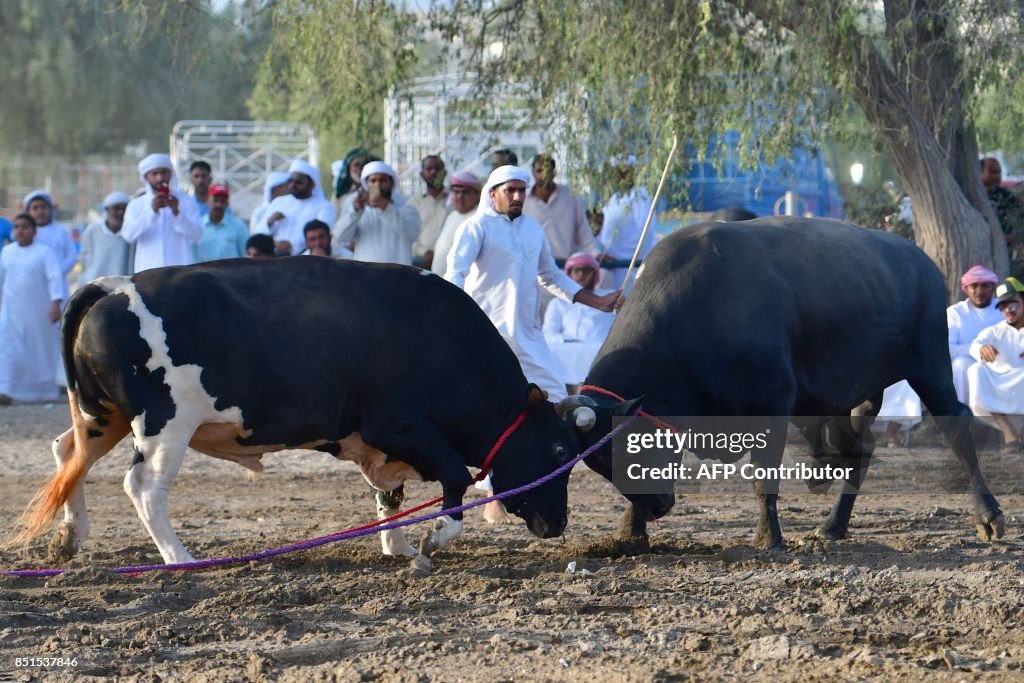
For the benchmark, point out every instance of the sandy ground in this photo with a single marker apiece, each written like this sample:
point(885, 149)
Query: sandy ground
point(912, 594)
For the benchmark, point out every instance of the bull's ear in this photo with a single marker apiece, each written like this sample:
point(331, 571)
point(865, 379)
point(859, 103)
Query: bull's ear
point(535, 396)
point(628, 407)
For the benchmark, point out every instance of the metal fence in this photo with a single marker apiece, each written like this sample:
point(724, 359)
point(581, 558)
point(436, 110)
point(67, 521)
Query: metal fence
point(77, 187)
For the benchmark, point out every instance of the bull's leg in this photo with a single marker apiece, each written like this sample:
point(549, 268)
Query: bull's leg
point(852, 438)
point(423, 443)
point(392, 541)
point(74, 529)
point(72, 532)
point(769, 531)
point(156, 463)
point(954, 419)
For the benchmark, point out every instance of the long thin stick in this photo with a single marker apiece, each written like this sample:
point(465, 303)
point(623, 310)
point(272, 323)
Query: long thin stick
point(650, 216)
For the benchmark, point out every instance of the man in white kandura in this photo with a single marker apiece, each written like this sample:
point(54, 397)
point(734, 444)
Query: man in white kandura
point(499, 258)
point(287, 215)
point(966, 319)
point(997, 381)
point(163, 222)
point(378, 219)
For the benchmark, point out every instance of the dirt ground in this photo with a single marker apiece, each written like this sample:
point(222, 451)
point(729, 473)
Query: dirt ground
point(911, 594)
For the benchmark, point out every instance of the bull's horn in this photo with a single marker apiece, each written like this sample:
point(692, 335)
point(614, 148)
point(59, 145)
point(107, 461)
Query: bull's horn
point(573, 402)
point(585, 418)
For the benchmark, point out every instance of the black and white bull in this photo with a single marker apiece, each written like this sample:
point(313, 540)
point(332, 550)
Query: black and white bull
point(783, 317)
point(387, 366)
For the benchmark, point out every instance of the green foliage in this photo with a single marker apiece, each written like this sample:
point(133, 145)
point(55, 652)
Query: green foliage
point(331, 64)
point(88, 76)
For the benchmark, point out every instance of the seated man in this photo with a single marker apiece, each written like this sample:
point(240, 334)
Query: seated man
point(967, 318)
point(318, 239)
point(573, 331)
point(997, 381)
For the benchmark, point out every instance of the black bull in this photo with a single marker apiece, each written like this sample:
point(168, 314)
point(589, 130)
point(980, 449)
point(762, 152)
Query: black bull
point(382, 364)
point(783, 317)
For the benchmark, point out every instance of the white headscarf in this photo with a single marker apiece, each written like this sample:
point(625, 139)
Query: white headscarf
point(305, 168)
point(375, 167)
point(37, 194)
point(153, 162)
point(115, 198)
point(500, 176)
point(336, 167)
point(275, 179)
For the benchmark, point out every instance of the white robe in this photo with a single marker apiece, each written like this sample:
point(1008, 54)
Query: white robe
point(998, 387)
point(965, 321)
point(160, 237)
point(500, 263)
point(575, 333)
point(297, 212)
point(30, 360)
point(58, 239)
point(103, 253)
point(446, 239)
point(624, 218)
point(900, 404)
point(381, 235)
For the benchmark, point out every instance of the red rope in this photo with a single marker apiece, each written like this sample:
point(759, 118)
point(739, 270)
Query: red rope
point(653, 418)
point(486, 466)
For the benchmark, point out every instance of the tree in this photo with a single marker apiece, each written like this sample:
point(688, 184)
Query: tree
point(85, 76)
point(332, 64)
point(779, 70)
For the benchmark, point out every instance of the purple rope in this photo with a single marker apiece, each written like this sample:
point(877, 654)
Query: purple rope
point(332, 538)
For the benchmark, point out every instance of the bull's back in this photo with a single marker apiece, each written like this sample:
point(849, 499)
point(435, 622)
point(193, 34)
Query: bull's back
point(301, 345)
point(837, 305)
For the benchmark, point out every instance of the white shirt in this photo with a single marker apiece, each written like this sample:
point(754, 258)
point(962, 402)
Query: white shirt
point(965, 321)
point(567, 322)
point(499, 263)
point(446, 239)
point(624, 218)
point(103, 253)
point(160, 237)
point(433, 212)
point(564, 220)
point(297, 212)
point(998, 387)
point(30, 357)
point(381, 235)
point(55, 236)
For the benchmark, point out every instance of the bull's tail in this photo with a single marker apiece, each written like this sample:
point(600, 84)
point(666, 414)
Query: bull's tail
point(78, 305)
point(81, 446)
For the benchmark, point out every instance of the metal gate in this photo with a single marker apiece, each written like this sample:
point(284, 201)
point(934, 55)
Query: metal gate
point(430, 117)
point(242, 154)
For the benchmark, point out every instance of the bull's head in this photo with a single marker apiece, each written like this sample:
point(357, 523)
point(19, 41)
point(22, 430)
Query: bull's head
point(538, 447)
point(591, 419)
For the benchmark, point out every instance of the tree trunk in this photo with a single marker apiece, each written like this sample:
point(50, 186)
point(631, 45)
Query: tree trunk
point(952, 223)
point(948, 226)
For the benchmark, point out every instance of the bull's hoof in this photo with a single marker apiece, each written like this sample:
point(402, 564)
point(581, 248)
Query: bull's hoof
point(419, 566)
point(989, 531)
point(832, 533)
point(495, 513)
point(819, 486)
point(64, 544)
point(767, 542)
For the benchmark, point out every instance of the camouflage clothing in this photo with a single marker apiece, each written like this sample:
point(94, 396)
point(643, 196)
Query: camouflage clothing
point(1011, 219)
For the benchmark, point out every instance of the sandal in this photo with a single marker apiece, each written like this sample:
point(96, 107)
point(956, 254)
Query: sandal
point(1012, 448)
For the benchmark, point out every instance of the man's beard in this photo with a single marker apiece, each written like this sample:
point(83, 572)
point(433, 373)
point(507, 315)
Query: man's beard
point(514, 213)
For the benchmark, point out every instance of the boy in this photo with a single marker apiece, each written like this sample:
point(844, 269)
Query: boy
point(31, 291)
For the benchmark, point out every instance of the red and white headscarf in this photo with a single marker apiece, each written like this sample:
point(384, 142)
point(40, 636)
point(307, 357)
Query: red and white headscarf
point(978, 274)
point(579, 259)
